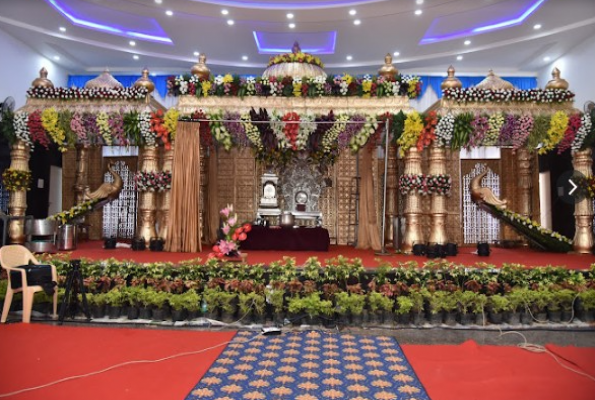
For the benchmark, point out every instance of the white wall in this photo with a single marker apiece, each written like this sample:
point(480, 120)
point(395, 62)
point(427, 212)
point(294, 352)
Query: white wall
point(20, 66)
point(577, 68)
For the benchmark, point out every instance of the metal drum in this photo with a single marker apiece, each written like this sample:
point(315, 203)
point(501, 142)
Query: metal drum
point(66, 237)
point(41, 235)
point(287, 219)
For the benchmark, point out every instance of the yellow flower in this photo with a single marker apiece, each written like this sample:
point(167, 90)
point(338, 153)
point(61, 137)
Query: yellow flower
point(49, 121)
point(170, 121)
point(413, 127)
point(347, 78)
point(206, 86)
point(555, 134)
point(297, 89)
point(228, 78)
point(366, 86)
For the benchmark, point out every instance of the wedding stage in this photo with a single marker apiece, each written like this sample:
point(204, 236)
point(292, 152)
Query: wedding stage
point(94, 250)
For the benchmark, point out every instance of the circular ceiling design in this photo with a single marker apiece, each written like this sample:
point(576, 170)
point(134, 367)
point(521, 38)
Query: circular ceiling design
point(288, 5)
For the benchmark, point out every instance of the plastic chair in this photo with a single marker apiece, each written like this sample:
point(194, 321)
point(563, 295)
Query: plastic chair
point(12, 256)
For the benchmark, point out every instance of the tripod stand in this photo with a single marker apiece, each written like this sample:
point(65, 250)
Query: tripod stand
point(74, 286)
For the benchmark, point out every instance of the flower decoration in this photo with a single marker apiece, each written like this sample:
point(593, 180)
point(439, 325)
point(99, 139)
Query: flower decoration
point(152, 181)
point(480, 127)
point(428, 133)
point(49, 121)
point(361, 137)
point(144, 122)
point(495, 122)
point(233, 232)
point(15, 179)
point(507, 130)
point(555, 133)
point(574, 124)
point(102, 122)
point(412, 183)
point(77, 211)
point(170, 121)
point(159, 129)
point(582, 133)
point(37, 131)
point(439, 184)
point(413, 127)
point(21, 128)
point(219, 132)
point(299, 57)
point(74, 94)
point(522, 130)
point(538, 96)
point(445, 130)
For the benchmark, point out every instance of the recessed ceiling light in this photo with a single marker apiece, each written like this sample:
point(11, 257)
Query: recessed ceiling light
point(135, 57)
point(57, 58)
point(196, 54)
point(224, 12)
point(459, 58)
point(419, 1)
point(169, 13)
point(245, 58)
point(62, 29)
point(546, 59)
point(230, 22)
point(357, 22)
point(158, 1)
point(289, 16)
point(396, 54)
point(349, 58)
point(292, 25)
point(467, 42)
point(537, 26)
point(132, 43)
point(418, 12)
point(352, 12)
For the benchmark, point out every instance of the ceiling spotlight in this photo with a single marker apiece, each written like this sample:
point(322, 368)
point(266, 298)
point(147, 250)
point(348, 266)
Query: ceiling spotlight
point(292, 25)
point(230, 22)
point(537, 26)
point(352, 12)
point(57, 58)
point(158, 1)
point(169, 13)
point(224, 12)
point(419, 2)
point(396, 54)
point(196, 54)
point(132, 43)
point(349, 58)
point(245, 58)
point(459, 58)
point(467, 42)
point(418, 12)
point(135, 57)
point(62, 29)
point(357, 22)
point(289, 16)
point(546, 59)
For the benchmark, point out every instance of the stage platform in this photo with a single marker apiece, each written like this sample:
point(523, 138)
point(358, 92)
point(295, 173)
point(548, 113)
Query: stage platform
point(94, 250)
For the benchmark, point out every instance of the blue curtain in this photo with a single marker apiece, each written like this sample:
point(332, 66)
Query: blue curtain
point(523, 83)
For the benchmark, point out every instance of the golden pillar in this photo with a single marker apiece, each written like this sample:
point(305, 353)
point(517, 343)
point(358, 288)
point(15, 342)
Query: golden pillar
point(17, 204)
point(525, 182)
point(168, 159)
point(149, 159)
point(438, 201)
point(583, 210)
point(412, 203)
point(81, 183)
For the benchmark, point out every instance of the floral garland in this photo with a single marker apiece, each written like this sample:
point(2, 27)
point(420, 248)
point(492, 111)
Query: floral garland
point(428, 134)
point(409, 183)
point(170, 120)
point(574, 124)
point(21, 128)
point(495, 122)
point(219, 132)
point(522, 130)
point(152, 181)
point(581, 134)
point(288, 86)
point(234, 234)
point(360, 138)
point(37, 131)
point(439, 184)
point(306, 127)
point(61, 93)
point(116, 126)
point(555, 133)
point(411, 132)
point(445, 130)
point(235, 128)
point(147, 134)
point(290, 129)
point(15, 179)
point(302, 58)
point(102, 122)
point(159, 129)
point(252, 132)
point(49, 121)
point(538, 96)
point(480, 126)
point(77, 211)
point(329, 140)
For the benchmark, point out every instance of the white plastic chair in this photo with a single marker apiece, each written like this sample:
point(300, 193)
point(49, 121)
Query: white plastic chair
point(12, 256)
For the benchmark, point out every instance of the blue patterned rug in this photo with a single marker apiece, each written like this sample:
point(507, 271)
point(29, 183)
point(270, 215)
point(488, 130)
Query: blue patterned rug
point(310, 366)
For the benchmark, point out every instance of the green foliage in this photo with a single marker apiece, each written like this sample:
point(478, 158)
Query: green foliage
point(311, 305)
point(587, 299)
point(251, 301)
point(379, 302)
point(499, 303)
point(562, 299)
point(97, 299)
point(189, 300)
point(470, 302)
point(405, 304)
point(276, 298)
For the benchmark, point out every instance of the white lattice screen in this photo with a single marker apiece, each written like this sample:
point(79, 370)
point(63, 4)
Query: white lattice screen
point(119, 216)
point(478, 225)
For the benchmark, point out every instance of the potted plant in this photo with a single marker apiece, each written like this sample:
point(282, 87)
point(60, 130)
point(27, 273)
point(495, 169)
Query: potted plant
point(357, 307)
point(586, 307)
point(312, 306)
point(177, 302)
point(379, 306)
point(405, 305)
point(211, 302)
point(498, 307)
point(470, 305)
point(343, 307)
point(145, 298)
point(418, 298)
point(251, 306)
point(560, 305)
point(275, 297)
point(192, 304)
point(132, 298)
point(517, 299)
point(229, 306)
point(114, 300)
point(97, 304)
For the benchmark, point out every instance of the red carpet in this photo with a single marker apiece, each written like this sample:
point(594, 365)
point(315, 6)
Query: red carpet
point(470, 371)
point(36, 354)
point(94, 250)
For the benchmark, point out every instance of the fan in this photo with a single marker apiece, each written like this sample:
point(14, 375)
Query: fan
point(6, 107)
point(589, 107)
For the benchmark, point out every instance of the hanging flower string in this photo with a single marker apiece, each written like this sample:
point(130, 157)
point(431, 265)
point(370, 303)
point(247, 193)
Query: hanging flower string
point(234, 233)
point(78, 210)
point(555, 133)
point(152, 181)
point(49, 121)
point(428, 135)
point(15, 179)
point(37, 131)
point(574, 124)
point(440, 184)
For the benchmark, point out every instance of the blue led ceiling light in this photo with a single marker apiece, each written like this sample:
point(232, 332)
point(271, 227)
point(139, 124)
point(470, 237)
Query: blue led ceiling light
point(282, 42)
point(152, 32)
point(504, 15)
point(286, 5)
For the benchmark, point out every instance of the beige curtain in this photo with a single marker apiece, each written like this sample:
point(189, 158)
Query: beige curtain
point(212, 200)
point(367, 232)
point(184, 221)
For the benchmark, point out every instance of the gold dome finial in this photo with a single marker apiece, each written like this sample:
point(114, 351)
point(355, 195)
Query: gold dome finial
point(200, 69)
point(494, 82)
point(557, 82)
point(388, 70)
point(145, 81)
point(296, 48)
point(105, 80)
point(451, 81)
point(43, 80)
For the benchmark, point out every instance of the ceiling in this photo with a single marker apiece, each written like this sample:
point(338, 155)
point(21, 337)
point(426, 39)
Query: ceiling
point(96, 34)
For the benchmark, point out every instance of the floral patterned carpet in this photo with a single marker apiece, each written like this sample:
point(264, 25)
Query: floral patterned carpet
point(312, 365)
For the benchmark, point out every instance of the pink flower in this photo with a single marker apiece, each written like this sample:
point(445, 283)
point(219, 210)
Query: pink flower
point(232, 221)
point(226, 211)
point(226, 229)
point(227, 247)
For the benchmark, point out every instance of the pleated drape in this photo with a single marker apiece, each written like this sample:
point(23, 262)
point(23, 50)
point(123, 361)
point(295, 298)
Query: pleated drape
point(184, 222)
point(212, 200)
point(367, 232)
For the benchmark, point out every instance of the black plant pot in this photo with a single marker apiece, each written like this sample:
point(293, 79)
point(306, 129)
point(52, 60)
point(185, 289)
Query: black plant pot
point(405, 319)
point(435, 319)
point(467, 319)
point(495, 317)
point(514, 318)
point(97, 311)
point(133, 312)
point(178, 315)
point(526, 318)
point(555, 316)
point(158, 314)
point(193, 315)
point(417, 318)
point(450, 318)
point(138, 244)
point(156, 244)
point(114, 312)
point(145, 313)
point(110, 243)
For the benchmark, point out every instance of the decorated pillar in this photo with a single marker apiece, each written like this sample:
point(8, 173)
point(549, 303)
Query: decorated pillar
point(164, 205)
point(17, 204)
point(438, 176)
point(81, 183)
point(583, 210)
point(147, 201)
point(525, 181)
point(412, 203)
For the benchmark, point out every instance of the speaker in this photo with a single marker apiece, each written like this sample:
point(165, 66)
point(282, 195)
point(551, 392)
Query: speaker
point(483, 249)
point(419, 249)
point(452, 249)
point(138, 244)
point(435, 250)
point(156, 244)
point(110, 243)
